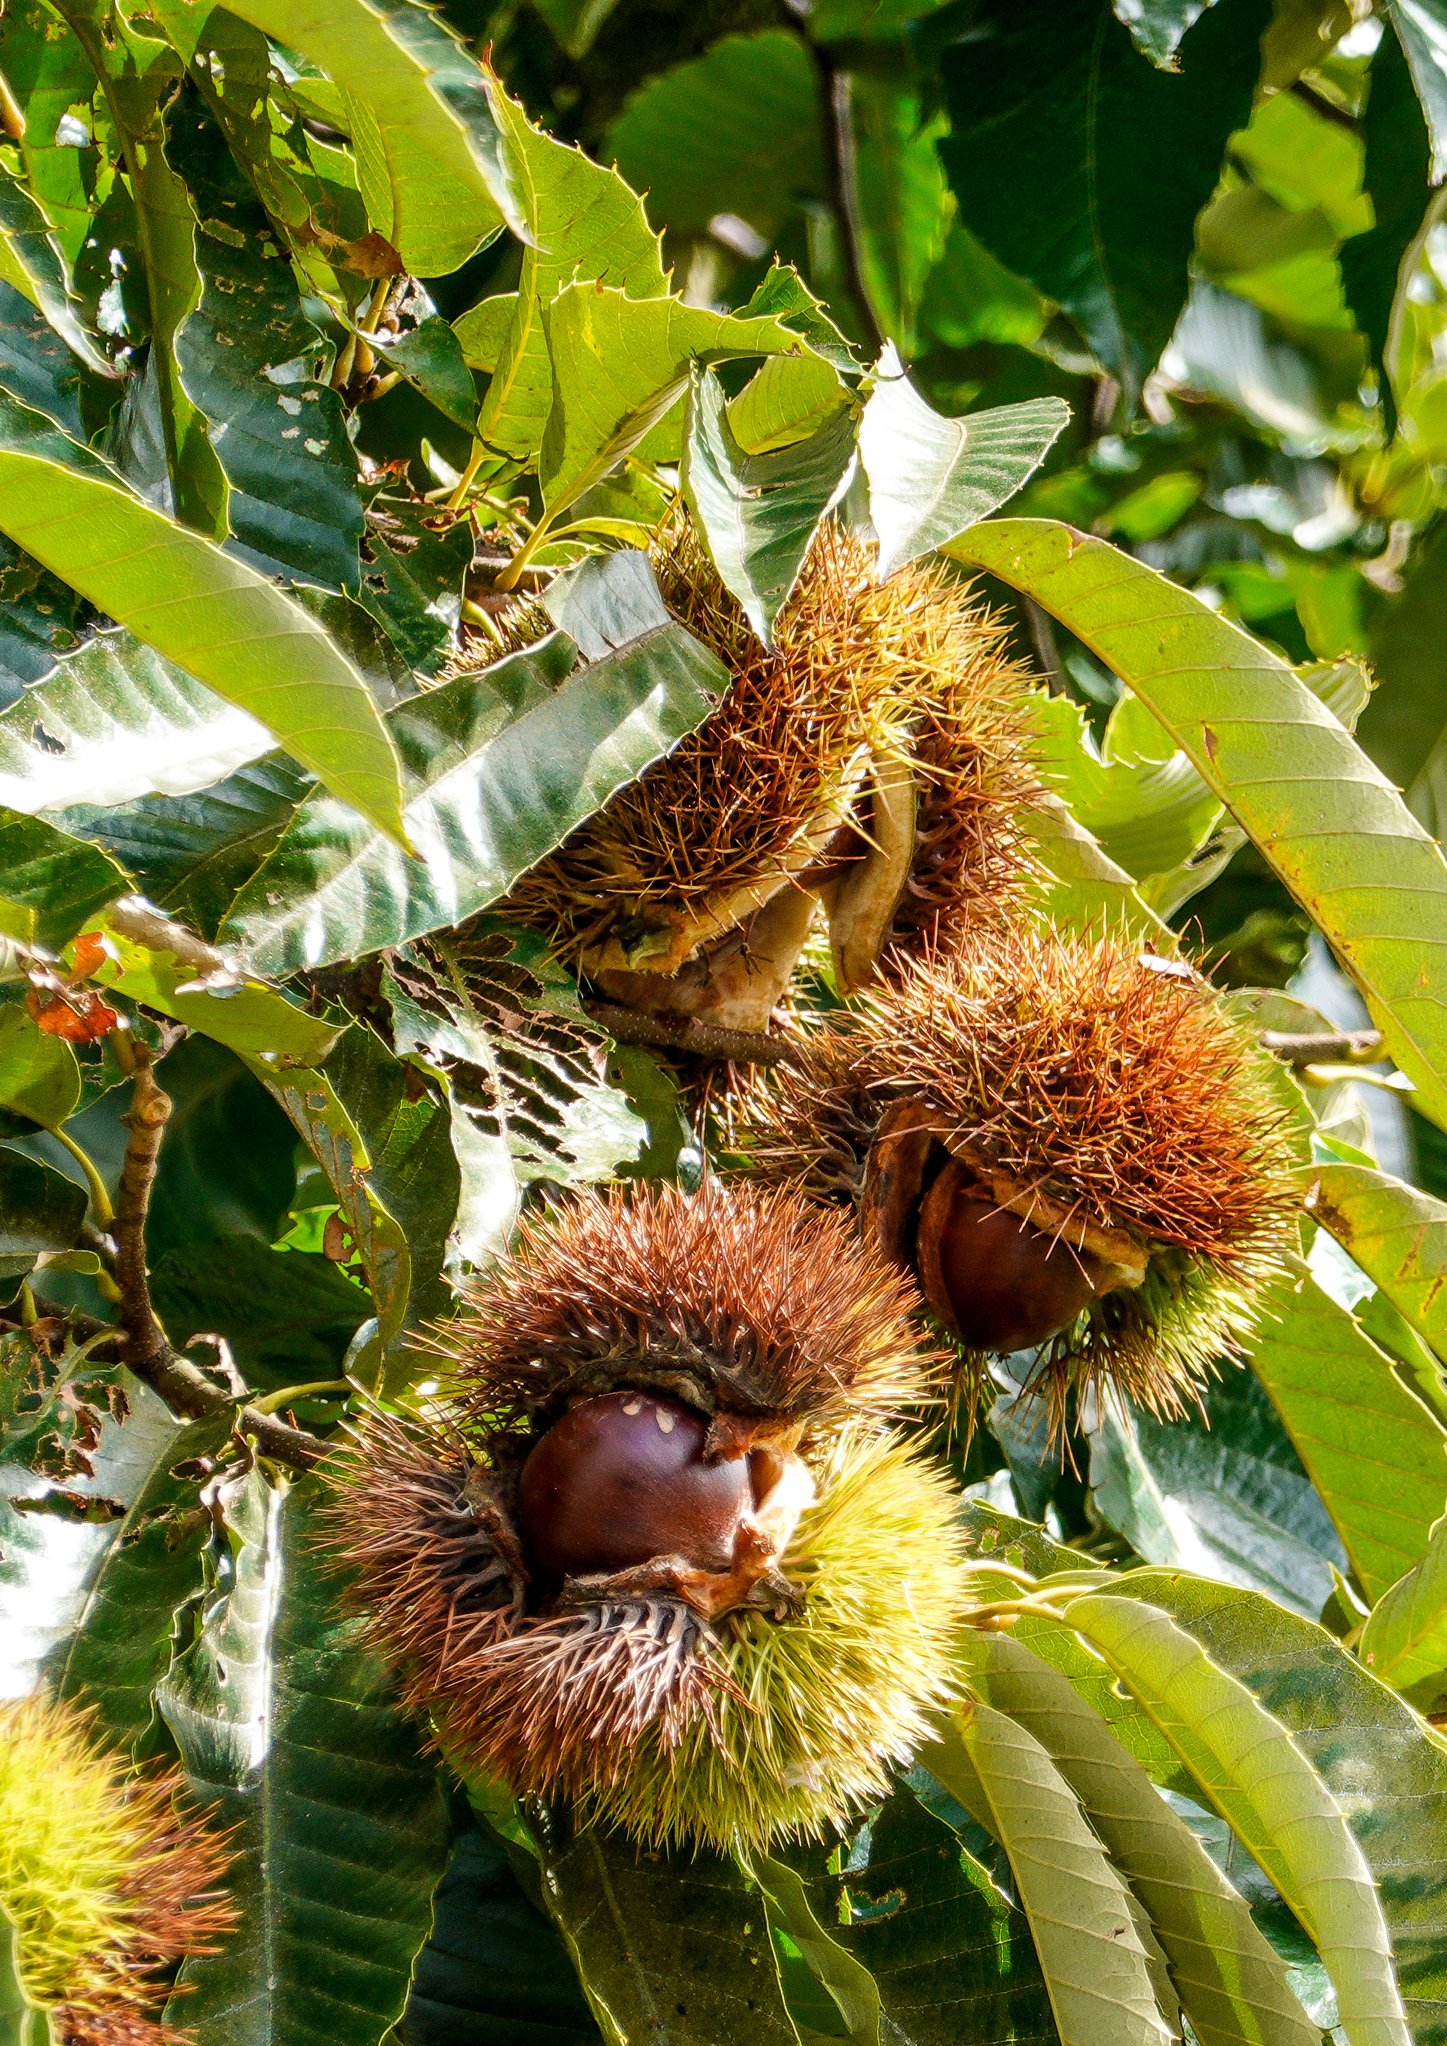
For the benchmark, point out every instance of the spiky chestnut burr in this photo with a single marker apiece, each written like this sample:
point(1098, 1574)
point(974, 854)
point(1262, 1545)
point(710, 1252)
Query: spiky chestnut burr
point(876, 757)
point(1071, 1145)
point(103, 1881)
point(629, 1519)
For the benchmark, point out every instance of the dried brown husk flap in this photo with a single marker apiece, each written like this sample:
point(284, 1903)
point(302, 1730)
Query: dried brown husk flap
point(861, 898)
point(736, 982)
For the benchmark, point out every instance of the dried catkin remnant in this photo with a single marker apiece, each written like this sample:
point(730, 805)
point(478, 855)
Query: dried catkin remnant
point(655, 1548)
point(1068, 1146)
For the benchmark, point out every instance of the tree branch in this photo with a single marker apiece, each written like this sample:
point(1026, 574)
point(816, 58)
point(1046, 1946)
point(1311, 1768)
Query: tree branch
point(704, 1040)
point(141, 1341)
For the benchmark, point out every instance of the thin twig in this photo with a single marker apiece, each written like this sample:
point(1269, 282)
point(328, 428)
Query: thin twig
point(142, 1342)
point(705, 1040)
point(1306, 1050)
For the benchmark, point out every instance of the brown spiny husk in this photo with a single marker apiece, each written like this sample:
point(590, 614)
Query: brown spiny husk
point(734, 1297)
point(107, 1885)
point(740, 1303)
point(912, 664)
point(1126, 1097)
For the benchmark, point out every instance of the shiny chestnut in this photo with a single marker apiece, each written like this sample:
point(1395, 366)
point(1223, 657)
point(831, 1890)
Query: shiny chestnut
point(997, 1281)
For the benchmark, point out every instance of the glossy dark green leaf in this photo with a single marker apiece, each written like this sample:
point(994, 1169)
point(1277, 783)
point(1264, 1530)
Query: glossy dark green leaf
point(127, 1626)
point(118, 720)
point(673, 1949)
point(430, 357)
point(376, 1239)
point(500, 766)
point(39, 1210)
point(293, 1727)
point(287, 1314)
point(1222, 1492)
point(902, 207)
point(734, 131)
point(951, 1957)
point(494, 1971)
point(41, 618)
point(190, 854)
point(1398, 161)
point(35, 364)
point(51, 885)
point(759, 513)
point(228, 1162)
point(278, 432)
point(236, 632)
point(1388, 1772)
point(413, 1172)
point(34, 268)
point(1110, 160)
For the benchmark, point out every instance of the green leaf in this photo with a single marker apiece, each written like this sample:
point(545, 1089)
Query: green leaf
point(286, 1719)
point(853, 1989)
point(499, 767)
point(1405, 1640)
point(279, 434)
point(128, 1626)
point(346, 1161)
point(782, 294)
point(618, 365)
point(223, 622)
point(585, 224)
point(39, 1075)
point(246, 1016)
point(1267, 1791)
point(1156, 26)
point(1149, 814)
point(34, 266)
point(494, 1971)
point(1386, 1769)
point(430, 357)
point(759, 513)
point(1088, 891)
point(673, 1949)
point(1222, 1493)
point(1373, 1450)
point(1079, 214)
point(432, 161)
point(190, 854)
point(51, 885)
point(1396, 177)
point(1396, 1233)
point(22, 2021)
point(902, 204)
point(1327, 822)
point(1231, 1984)
point(1096, 1969)
point(139, 75)
point(117, 721)
point(40, 1210)
point(735, 131)
point(289, 1315)
point(787, 400)
point(930, 477)
point(1422, 26)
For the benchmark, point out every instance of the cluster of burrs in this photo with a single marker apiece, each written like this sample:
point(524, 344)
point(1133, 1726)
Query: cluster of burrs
point(663, 1540)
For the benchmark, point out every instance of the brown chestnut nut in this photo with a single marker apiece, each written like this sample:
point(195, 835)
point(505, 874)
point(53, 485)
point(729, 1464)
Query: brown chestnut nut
point(622, 1479)
point(998, 1282)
